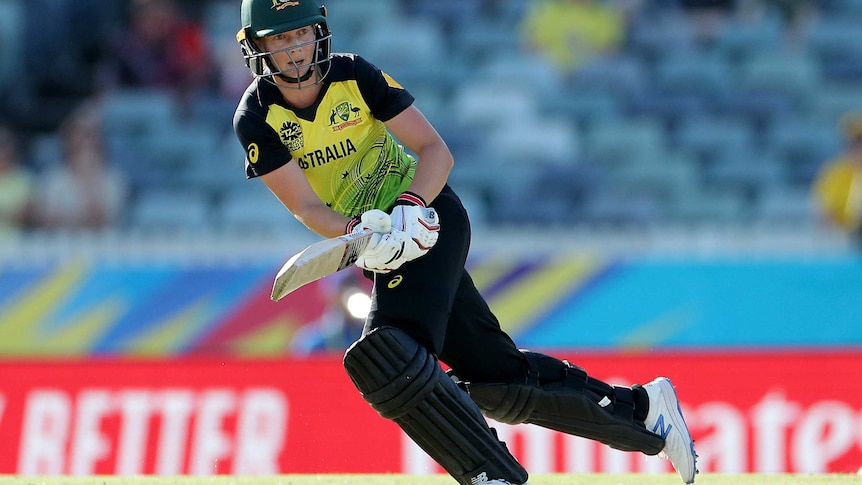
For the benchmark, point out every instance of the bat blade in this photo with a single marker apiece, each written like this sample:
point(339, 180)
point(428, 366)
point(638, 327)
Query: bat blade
point(317, 261)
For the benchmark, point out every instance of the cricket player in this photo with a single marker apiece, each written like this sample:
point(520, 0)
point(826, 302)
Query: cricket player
point(341, 145)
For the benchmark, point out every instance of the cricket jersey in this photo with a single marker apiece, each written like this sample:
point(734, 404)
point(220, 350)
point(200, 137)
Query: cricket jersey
point(340, 142)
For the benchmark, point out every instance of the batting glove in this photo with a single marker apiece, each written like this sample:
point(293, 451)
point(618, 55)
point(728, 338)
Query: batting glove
point(384, 252)
point(420, 223)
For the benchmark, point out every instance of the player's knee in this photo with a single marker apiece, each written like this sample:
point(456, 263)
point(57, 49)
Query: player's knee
point(391, 370)
point(514, 402)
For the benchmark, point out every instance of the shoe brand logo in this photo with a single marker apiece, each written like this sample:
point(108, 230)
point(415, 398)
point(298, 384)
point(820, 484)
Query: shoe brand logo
point(659, 428)
point(480, 478)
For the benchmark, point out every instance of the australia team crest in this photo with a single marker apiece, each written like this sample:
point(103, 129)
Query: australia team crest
point(341, 115)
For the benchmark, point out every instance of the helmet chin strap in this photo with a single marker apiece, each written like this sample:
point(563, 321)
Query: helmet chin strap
point(297, 80)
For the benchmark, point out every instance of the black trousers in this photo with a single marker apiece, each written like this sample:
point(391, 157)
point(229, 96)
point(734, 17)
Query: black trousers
point(434, 300)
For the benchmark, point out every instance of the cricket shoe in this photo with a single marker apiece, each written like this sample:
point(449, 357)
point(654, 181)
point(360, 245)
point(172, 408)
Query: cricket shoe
point(664, 418)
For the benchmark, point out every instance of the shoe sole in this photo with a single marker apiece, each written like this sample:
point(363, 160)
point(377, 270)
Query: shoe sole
point(671, 401)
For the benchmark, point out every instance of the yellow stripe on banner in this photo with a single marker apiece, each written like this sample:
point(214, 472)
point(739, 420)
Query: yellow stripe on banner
point(20, 321)
point(489, 271)
point(521, 303)
point(272, 339)
point(77, 335)
point(658, 330)
point(171, 334)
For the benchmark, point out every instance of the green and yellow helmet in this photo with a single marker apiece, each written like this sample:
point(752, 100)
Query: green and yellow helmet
point(261, 18)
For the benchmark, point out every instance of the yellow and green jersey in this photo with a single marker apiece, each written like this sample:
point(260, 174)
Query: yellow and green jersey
point(350, 159)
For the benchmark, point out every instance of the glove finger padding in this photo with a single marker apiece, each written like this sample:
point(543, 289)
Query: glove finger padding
point(374, 220)
point(384, 252)
point(422, 225)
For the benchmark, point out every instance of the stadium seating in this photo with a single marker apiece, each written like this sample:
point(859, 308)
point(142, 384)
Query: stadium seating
point(675, 127)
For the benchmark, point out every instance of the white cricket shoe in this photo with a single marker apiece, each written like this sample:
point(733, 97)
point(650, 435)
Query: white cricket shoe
point(664, 418)
point(498, 482)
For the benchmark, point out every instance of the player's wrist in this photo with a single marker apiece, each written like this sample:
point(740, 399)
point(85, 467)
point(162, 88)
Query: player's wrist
point(410, 198)
point(351, 224)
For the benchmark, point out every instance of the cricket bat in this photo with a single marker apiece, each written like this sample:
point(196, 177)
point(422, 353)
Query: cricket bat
point(317, 261)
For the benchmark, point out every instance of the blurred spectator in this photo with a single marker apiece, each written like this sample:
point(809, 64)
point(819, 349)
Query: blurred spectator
point(572, 32)
point(83, 190)
point(838, 187)
point(347, 305)
point(162, 48)
point(708, 16)
point(16, 185)
point(796, 14)
point(11, 16)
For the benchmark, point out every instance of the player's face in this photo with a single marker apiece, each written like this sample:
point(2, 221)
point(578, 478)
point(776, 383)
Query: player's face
point(292, 51)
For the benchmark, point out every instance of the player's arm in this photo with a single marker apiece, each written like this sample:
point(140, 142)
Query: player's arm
point(290, 186)
point(434, 158)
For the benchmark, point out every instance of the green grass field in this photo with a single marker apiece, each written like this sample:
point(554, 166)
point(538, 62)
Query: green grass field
point(556, 479)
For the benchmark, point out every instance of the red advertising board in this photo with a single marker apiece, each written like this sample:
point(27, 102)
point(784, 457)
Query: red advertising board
point(787, 411)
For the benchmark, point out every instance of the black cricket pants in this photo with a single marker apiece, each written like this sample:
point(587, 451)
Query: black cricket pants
point(434, 300)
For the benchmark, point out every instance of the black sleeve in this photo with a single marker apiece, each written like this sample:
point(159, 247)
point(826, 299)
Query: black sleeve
point(264, 151)
point(384, 96)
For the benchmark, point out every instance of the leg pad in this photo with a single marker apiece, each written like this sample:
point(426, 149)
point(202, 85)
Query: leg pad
point(566, 399)
point(404, 383)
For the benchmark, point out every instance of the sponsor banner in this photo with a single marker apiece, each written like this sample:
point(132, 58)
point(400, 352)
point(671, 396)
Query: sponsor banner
point(161, 307)
point(752, 411)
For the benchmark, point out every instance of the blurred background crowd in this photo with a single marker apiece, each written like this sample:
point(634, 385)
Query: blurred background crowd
point(747, 114)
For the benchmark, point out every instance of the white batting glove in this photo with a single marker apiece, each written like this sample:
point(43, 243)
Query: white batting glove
point(384, 252)
point(422, 224)
point(374, 220)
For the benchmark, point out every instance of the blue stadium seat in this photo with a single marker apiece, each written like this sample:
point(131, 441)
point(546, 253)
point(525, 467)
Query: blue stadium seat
point(709, 137)
point(746, 171)
point(171, 210)
point(349, 18)
point(476, 38)
point(253, 208)
point(753, 35)
point(622, 75)
point(532, 69)
point(617, 142)
point(761, 108)
point(138, 112)
point(781, 205)
point(176, 157)
point(802, 146)
point(480, 104)
point(583, 107)
point(671, 107)
point(658, 175)
point(614, 210)
point(836, 42)
point(709, 77)
point(796, 75)
point(844, 8)
point(671, 32)
point(534, 142)
point(834, 101)
point(704, 206)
